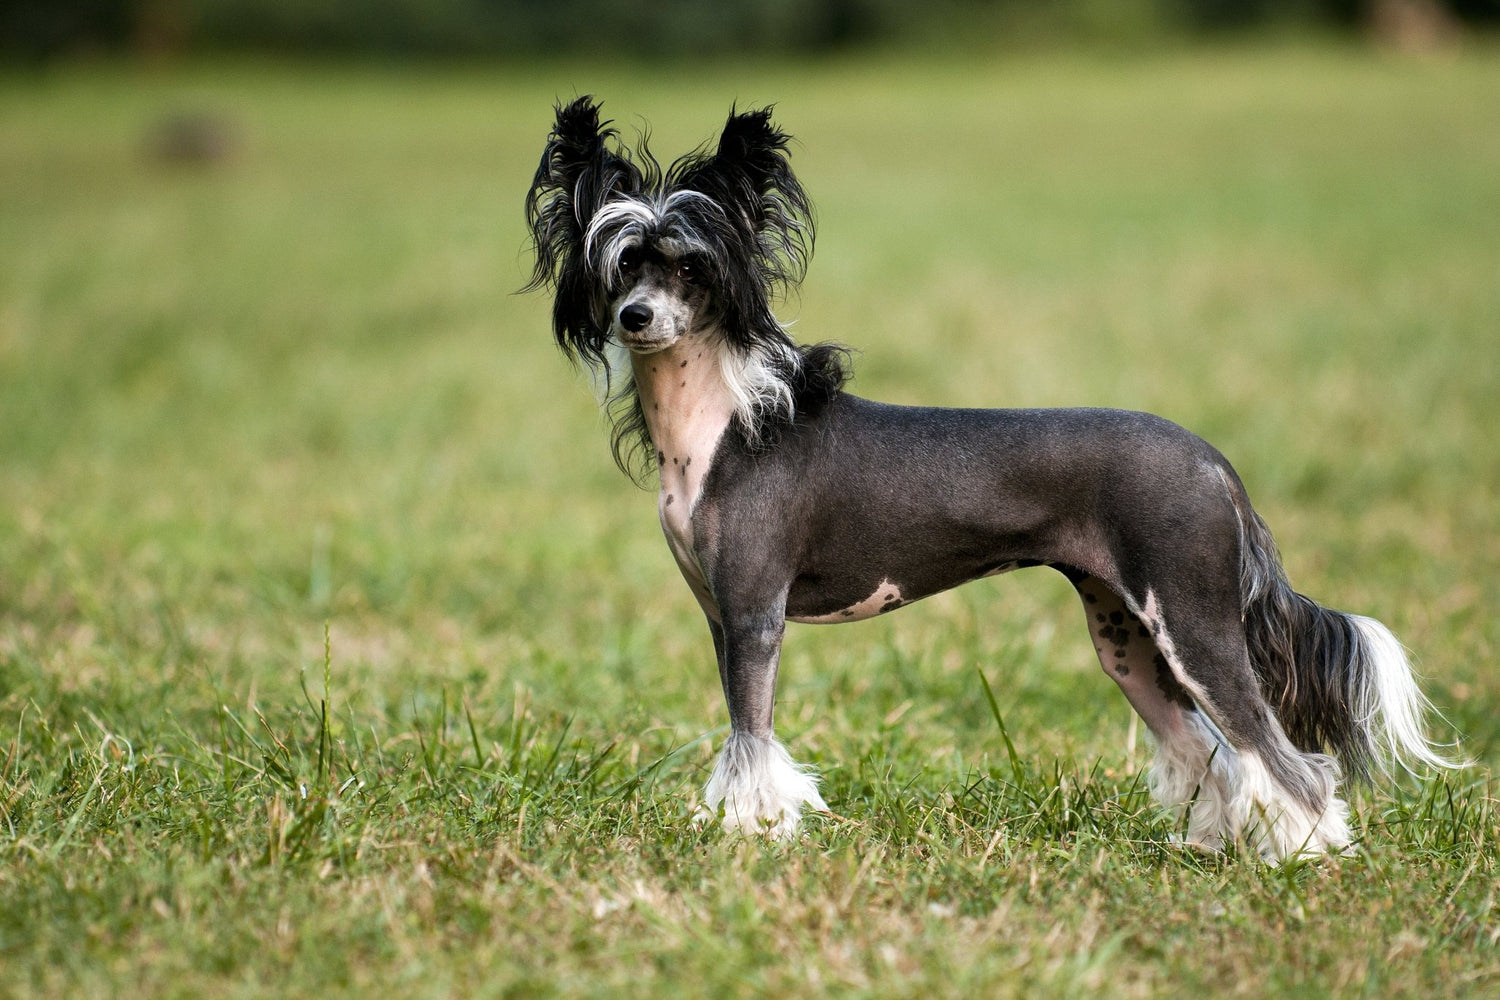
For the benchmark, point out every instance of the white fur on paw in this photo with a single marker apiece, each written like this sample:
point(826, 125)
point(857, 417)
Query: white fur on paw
point(1278, 827)
point(757, 788)
point(1197, 777)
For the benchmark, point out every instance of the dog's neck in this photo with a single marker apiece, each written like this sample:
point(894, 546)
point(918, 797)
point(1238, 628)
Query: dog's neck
point(687, 407)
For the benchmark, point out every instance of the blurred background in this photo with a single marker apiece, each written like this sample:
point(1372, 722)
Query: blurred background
point(43, 29)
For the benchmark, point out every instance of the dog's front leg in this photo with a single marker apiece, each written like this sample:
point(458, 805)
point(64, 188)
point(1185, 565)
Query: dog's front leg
point(755, 786)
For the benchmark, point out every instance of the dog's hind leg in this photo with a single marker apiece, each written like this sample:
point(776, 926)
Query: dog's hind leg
point(1221, 755)
point(755, 784)
point(1194, 772)
point(1284, 802)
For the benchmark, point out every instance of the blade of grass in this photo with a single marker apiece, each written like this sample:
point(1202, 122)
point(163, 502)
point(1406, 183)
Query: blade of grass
point(1010, 748)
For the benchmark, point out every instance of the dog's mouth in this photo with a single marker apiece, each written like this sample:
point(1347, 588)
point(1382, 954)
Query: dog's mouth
point(644, 345)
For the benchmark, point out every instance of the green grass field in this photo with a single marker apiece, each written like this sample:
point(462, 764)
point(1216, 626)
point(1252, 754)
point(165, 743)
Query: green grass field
point(296, 390)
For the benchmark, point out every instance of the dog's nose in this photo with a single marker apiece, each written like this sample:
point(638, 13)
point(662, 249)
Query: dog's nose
point(634, 317)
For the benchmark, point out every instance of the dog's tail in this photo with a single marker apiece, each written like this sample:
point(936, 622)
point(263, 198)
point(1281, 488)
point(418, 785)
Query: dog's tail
point(1339, 681)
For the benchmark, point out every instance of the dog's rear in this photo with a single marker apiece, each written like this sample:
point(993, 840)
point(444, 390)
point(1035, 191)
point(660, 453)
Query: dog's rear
point(1337, 680)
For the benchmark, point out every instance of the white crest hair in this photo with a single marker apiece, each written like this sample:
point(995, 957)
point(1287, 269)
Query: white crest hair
point(627, 220)
point(736, 210)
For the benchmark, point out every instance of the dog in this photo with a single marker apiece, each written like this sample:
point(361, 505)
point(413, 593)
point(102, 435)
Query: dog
point(784, 497)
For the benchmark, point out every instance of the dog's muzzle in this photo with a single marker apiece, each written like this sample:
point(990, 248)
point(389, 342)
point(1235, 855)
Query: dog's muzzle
point(635, 317)
point(635, 323)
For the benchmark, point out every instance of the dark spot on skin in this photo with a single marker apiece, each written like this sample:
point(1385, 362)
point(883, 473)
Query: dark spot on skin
point(1120, 652)
point(687, 461)
point(670, 498)
point(1116, 618)
point(1100, 618)
point(674, 459)
point(1122, 670)
point(661, 458)
point(1091, 598)
point(1156, 628)
point(1144, 632)
point(682, 385)
point(890, 605)
point(847, 612)
point(683, 365)
point(1169, 685)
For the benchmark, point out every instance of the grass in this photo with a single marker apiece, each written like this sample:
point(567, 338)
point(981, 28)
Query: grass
point(336, 659)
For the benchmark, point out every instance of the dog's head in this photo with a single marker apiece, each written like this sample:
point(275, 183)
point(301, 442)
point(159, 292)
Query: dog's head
point(643, 256)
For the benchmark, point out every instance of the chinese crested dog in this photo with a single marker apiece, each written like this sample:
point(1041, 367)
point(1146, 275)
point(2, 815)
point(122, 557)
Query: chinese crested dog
point(785, 498)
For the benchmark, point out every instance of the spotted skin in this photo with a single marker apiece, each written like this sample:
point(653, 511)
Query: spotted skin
point(886, 598)
point(687, 410)
point(1129, 656)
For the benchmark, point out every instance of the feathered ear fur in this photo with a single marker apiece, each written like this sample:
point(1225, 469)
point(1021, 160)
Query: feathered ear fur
point(578, 174)
point(755, 201)
point(750, 175)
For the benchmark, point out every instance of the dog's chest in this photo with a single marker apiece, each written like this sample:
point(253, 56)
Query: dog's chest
point(681, 485)
point(687, 409)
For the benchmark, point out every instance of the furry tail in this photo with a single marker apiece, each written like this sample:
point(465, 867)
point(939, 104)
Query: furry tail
point(1339, 682)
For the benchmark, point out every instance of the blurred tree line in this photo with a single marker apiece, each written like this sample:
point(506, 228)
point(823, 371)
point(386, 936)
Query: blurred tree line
point(40, 30)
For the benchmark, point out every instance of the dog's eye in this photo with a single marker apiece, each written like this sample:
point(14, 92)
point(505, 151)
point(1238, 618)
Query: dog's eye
point(629, 261)
point(687, 272)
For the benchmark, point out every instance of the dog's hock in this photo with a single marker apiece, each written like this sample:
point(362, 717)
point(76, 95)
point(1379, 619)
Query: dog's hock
point(756, 788)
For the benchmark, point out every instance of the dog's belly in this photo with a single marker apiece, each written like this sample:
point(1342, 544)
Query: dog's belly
point(887, 597)
point(807, 600)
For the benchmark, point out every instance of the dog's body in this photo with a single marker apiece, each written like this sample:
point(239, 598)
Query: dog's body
point(785, 498)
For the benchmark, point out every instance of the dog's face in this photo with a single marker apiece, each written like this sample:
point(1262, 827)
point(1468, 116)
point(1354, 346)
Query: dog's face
point(660, 294)
point(653, 258)
point(643, 256)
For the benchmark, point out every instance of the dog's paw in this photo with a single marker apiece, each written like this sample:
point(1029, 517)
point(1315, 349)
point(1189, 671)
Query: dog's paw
point(757, 789)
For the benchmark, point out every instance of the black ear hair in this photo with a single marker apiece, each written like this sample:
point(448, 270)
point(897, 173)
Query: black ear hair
point(750, 175)
point(578, 173)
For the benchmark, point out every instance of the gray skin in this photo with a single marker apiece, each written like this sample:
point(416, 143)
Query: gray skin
point(927, 499)
point(864, 498)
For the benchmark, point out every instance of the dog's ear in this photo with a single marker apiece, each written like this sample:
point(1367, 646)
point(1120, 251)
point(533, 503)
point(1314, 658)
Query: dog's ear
point(753, 151)
point(750, 175)
point(579, 172)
